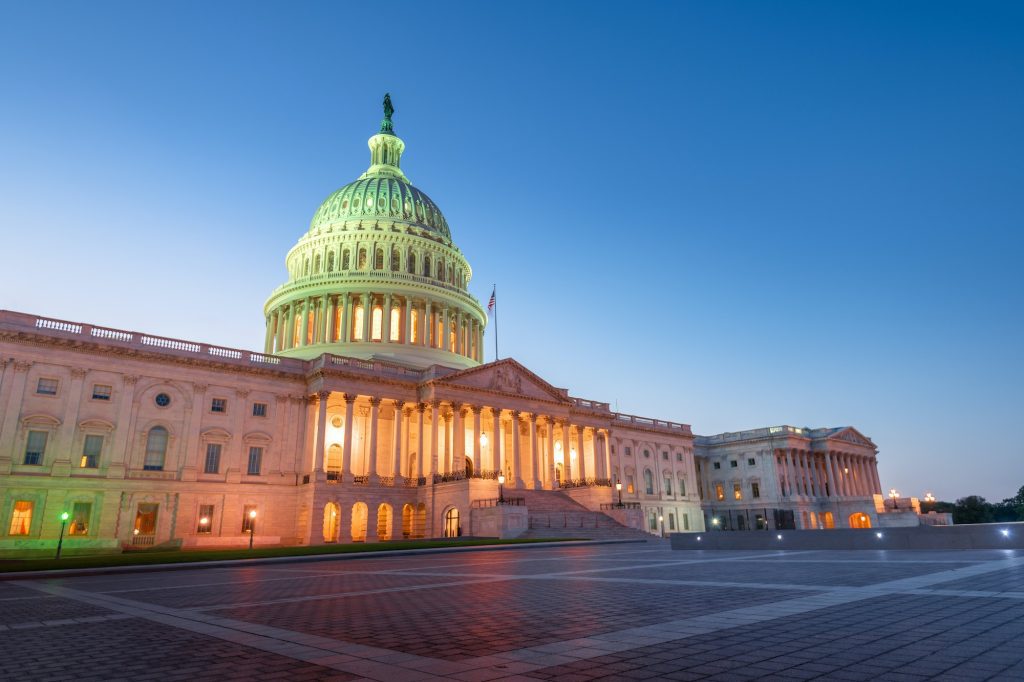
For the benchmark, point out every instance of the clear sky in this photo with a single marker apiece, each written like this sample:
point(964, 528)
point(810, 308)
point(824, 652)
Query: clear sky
point(731, 214)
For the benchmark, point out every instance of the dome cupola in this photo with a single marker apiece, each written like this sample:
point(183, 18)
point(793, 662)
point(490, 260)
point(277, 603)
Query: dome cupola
point(377, 275)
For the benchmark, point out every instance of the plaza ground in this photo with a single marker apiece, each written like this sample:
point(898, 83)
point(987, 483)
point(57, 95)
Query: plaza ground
point(631, 611)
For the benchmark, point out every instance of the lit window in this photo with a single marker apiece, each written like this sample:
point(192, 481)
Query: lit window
point(357, 326)
point(255, 461)
point(212, 458)
point(737, 491)
point(415, 326)
point(377, 324)
point(21, 519)
point(47, 387)
point(205, 524)
point(101, 392)
point(755, 490)
point(396, 324)
point(80, 514)
point(247, 517)
point(156, 449)
point(259, 409)
point(35, 447)
point(91, 452)
point(219, 405)
point(629, 483)
point(719, 492)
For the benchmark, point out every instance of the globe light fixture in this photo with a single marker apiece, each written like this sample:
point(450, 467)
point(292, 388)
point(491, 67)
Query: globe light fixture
point(63, 522)
point(501, 488)
point(618, 487)
point(252, 527)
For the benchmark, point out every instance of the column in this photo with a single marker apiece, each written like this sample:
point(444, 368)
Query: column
point(332, 306)
point(830, 474)
point(496, 446)
point(420, 466)
point(323, 321)
point(476, 438)
point(65, 437)
point(517, 461)
point(407, 332)
point(386, 327)
point(862, 469)
point(289, 331)
point(567, 467)
point(374, 414)
point(433, 439)
point(396, 460)
point(534, 454)
point(459, 435)
point(321, 429)
point(345, 333)
point(550, 444)
point(793, 491)
point(305, 320)
point(428, 328)
point(446, 330)
point(581, 449)
point(447, 418)
point(844, 472)
point(346, 456)
point(367, 317)
point(266, 337)
point(874, 475)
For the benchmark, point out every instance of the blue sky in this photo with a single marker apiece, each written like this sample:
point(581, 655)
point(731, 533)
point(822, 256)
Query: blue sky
point(730, 214)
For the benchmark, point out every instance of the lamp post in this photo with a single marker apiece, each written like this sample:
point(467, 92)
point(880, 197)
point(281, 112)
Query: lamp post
point(929, 500)
point(63, 522)
point(252, 527)
point(501, 488)
point(895, 495)
point(661, 522)
point(618, 487)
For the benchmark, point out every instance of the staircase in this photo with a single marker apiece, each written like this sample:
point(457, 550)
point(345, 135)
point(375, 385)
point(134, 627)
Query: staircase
point(555, 515)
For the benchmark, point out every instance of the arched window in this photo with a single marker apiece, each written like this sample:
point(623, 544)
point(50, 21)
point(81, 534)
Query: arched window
point(330, 262)
point(377, 323)
point(332, 520)
point(305, 268)
point(357, 323)
point(396, 260)
point(440, 270)
point(384, 522)
point(346, 260)
point(648, 482)
point(358, 527)
point(378, 259)
point(407, 513)
point(396, 325)
point(410, 262)
point(156, 449)
point(361, 265)
point(316, 264)
point(426, 265)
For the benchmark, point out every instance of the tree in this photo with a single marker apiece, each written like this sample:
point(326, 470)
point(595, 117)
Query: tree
point(972, 509)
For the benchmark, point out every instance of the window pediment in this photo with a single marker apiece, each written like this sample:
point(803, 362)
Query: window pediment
point(40, 420)
point(215, 434)
point(95, 425)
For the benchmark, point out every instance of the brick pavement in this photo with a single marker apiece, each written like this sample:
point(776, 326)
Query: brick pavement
point(580, 613)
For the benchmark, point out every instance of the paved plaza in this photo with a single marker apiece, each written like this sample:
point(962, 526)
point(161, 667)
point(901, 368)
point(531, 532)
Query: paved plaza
point(627, 611)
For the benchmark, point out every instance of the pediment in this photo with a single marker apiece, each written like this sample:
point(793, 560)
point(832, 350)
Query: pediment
point(852, 435)
point(507, 377)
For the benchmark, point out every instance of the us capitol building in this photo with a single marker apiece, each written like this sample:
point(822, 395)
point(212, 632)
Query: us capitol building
point(370, 415)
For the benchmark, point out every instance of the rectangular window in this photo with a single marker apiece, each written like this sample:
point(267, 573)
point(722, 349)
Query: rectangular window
point(415, 326)
point(259, 409)
point(248, 516)
point(47, 387)
point(668, 485)
point(653, 521)
point(679, 457)
point(682, 487)
point(80, 514)
point(751, 462)
point(755, 490)
point(205, 518)
point(671, 521)
point(219, 405)
point(686, 522)
point(719, 492)
point(733, 463)
point(91, 452)
point(145, 518)
point(737, 491)
point(255, 461)
point(212, 458)
point(35, 448)
point(101, 392)
point(664, 455)
point(629, 451)
point(718, 465)
point(21, 519)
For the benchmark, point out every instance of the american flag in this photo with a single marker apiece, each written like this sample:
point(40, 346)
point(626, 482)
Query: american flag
point(490, 304)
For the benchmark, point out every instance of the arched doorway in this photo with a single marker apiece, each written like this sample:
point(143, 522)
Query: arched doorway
point(860, 520)
point(452, 525)
point(469, 468)
point(407, 513)
point(828, 520)
point(384, 522)
point(419, 526)
point(332, 522)
point(558, 474)
point(359, 513)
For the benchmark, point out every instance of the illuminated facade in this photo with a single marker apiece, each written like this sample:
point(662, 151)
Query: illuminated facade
point(367, 415)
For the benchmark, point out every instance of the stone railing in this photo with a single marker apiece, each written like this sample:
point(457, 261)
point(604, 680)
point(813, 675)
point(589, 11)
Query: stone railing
point(122, 338)
point(607, 506)
point(498, 502)
point(751, 434)
point(591, 404)
point(375, 366)
point(586, 483)
point(645, 422)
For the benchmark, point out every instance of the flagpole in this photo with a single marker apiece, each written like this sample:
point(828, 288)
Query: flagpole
point(494, 295)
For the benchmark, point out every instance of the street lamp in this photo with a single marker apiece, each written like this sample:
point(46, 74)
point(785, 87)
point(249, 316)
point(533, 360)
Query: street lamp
point(895, 495)
point(63, 522)
point(618, 487)
point(661, 521)
point(501, 488)
point(252, 526)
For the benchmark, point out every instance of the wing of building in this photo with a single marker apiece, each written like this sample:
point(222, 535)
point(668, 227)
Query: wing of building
point(369, 415)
